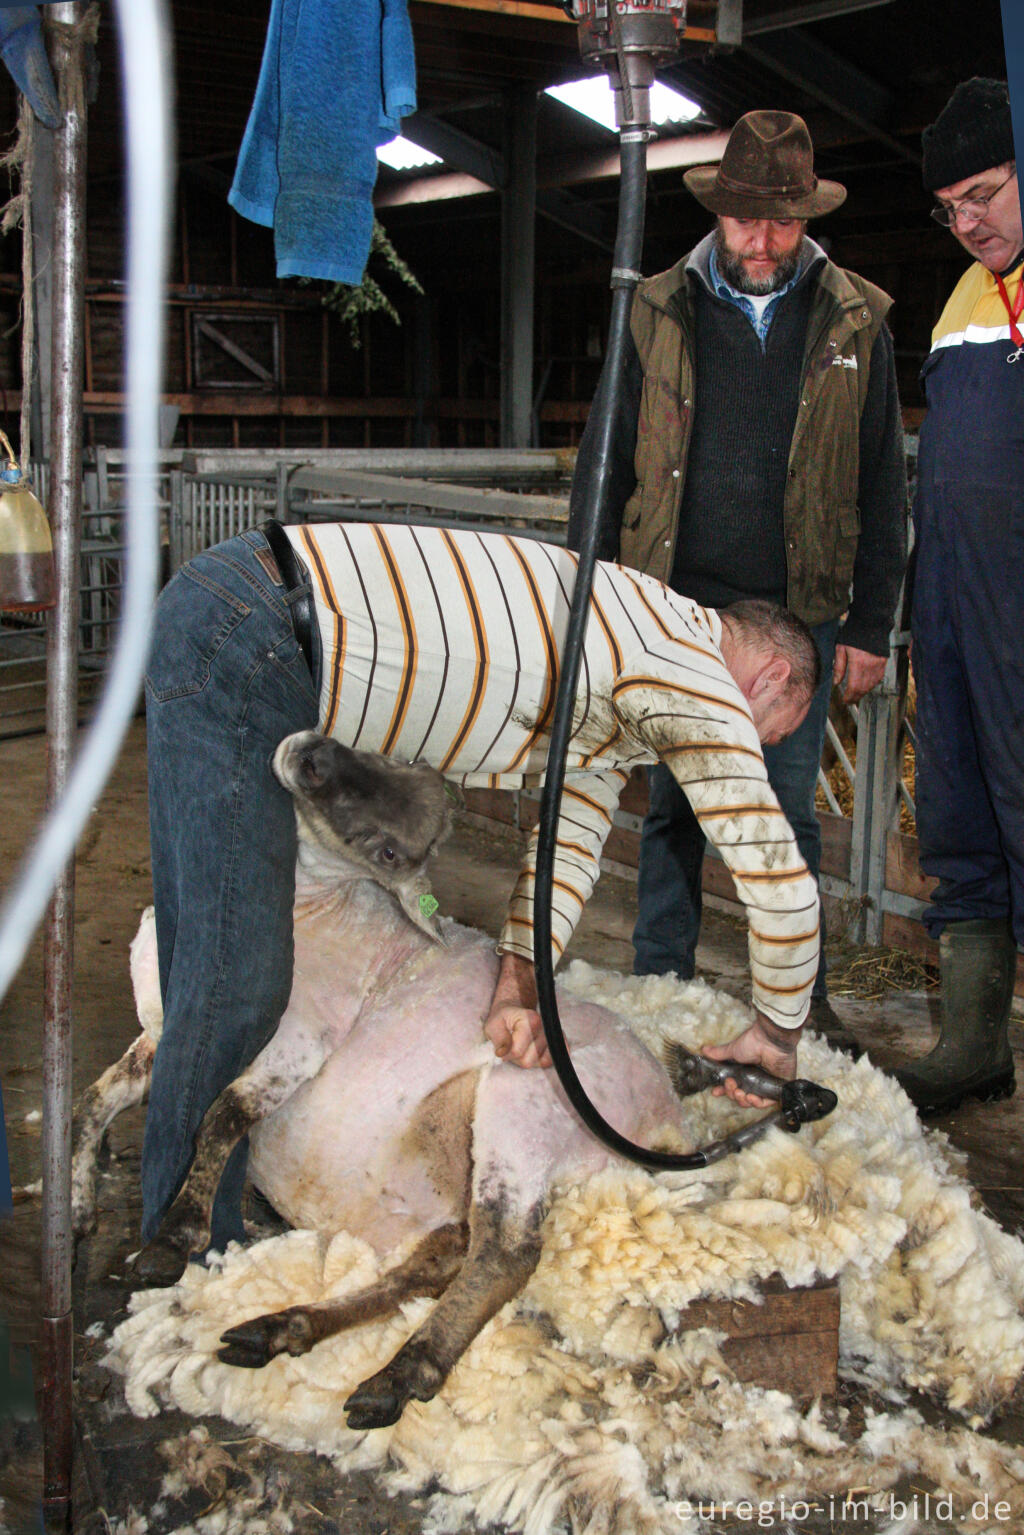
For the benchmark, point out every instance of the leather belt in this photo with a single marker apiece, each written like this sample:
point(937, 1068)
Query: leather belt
point(293, 576)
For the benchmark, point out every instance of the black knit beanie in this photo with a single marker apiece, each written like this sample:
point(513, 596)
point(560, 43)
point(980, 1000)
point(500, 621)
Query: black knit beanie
point(972, 133)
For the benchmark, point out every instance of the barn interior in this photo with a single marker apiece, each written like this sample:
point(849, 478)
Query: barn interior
point(481, 378)
point(866, 78)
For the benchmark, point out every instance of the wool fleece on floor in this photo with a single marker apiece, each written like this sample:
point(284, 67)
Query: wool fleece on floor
point(578, 1407)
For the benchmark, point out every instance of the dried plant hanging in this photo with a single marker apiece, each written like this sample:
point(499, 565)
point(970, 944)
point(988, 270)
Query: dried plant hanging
point(351, 303)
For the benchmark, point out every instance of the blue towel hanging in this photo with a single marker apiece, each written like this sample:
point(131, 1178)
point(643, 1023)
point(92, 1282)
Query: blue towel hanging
point(336, 79)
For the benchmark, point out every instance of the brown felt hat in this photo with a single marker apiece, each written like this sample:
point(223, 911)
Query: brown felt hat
point(766, 172)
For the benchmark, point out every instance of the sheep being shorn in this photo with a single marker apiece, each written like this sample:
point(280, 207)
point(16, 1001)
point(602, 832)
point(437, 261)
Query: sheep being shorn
point(577, 1407)
point(376, 1107)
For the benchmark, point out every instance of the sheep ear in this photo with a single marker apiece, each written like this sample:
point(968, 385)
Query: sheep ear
point(420, 906)
point(454, 796)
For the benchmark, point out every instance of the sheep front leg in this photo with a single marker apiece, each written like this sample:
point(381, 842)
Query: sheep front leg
point(502, 1255)
point(118, 1088)
point(428, 1270)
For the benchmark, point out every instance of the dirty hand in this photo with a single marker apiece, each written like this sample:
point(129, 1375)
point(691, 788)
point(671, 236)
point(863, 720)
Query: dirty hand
point(517, 1035)
point(763, 1044)
point(859, 670)
point(513, 1024)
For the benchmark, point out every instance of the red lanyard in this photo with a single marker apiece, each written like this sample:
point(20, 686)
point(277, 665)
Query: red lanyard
point(1013, 311)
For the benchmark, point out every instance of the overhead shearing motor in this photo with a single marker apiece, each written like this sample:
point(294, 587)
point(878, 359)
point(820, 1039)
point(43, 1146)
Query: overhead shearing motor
point(630, 39)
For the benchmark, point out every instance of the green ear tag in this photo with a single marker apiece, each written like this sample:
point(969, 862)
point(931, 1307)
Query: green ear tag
point(428, 905)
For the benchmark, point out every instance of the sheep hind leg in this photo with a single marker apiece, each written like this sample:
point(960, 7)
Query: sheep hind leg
point(264, 1086)
point(428, 1270)
point(118, 1088)
point(500, 1260)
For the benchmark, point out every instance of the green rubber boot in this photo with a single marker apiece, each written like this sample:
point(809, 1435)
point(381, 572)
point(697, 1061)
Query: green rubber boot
point(977, 966)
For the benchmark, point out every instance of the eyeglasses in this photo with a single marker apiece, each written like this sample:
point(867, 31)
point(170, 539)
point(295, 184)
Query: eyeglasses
point(974, 208)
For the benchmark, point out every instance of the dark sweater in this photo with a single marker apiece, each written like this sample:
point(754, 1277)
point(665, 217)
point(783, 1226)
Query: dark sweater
point(731, 538)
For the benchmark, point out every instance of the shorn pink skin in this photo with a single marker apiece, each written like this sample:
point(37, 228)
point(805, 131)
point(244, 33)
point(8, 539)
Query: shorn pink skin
point(380, 1108)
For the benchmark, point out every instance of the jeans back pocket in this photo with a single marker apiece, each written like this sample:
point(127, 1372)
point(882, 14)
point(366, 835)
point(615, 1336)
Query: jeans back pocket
point(194, 617)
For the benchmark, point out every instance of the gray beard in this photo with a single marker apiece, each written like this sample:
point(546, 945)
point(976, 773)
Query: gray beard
point(732, 269)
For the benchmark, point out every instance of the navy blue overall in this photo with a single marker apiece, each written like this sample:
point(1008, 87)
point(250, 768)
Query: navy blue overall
point(968, 613)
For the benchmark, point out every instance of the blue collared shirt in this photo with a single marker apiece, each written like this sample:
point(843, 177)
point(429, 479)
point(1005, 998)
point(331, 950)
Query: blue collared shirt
point(732, 295)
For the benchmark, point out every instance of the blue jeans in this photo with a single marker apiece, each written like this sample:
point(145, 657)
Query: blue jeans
point(672, 843)
point(226, 683)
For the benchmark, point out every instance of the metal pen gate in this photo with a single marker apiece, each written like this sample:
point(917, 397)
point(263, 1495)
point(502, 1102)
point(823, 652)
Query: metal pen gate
point(868, 864)
point(101, 577)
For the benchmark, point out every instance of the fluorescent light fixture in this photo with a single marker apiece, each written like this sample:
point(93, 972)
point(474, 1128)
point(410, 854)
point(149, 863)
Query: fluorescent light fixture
point(403, 155)
point(595, 99)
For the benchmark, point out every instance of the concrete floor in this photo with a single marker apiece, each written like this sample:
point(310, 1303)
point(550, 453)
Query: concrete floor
point(118, 1458)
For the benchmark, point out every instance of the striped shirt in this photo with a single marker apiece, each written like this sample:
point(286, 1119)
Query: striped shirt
point(444, 645)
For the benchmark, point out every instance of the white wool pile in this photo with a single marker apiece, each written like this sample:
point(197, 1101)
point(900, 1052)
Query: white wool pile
point(573, 1409)
point(932, 1289)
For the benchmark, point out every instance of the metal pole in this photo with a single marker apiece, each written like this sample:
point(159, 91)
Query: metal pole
point(879, 720)
point(518, 218)
point(67, 45)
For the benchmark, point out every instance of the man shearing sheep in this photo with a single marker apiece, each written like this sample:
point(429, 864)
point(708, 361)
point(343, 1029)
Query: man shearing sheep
point(440, 645)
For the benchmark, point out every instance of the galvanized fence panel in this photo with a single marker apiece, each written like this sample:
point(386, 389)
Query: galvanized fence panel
point(106, 475)
point(206, 498)
point(211, 510)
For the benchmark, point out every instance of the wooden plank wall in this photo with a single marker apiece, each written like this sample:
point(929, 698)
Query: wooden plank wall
point(904, 875)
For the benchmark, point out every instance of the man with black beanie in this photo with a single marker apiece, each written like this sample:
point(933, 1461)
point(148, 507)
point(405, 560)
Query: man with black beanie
point(968, 605)
point(757, 451)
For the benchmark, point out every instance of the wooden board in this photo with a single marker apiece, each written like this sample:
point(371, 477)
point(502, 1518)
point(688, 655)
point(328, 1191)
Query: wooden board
point(836, 838)
point(903, 872)
point(789, 1341)
point(495, 804)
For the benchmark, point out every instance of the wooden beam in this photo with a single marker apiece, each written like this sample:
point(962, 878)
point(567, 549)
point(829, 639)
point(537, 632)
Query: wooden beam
point(245, 403)
point(506, 8)
point(429, 189)
point(102, 402)
point(239, 354)
point(401, 490)
point(670, 153)
point(665, 154)
point(550, 13)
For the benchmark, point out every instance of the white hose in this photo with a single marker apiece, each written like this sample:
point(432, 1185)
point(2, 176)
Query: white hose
point(145, 49)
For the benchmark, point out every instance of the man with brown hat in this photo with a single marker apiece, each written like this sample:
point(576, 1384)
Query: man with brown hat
point(757, 453)
point(968, 605)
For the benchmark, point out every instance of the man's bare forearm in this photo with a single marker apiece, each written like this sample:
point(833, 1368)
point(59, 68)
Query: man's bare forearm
point(516, 985)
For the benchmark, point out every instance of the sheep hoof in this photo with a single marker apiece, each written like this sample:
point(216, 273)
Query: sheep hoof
point(159, 1264)
point(253, 1344)
point(379, 1401)
point(372, 1405)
